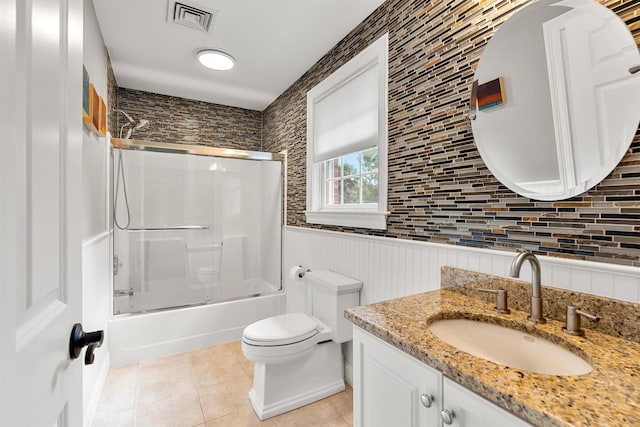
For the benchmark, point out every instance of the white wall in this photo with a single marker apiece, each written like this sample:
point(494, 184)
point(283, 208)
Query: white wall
point(95, 230)
point(391, 268)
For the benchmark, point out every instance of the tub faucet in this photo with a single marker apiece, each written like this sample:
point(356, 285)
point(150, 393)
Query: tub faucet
point(536, 291)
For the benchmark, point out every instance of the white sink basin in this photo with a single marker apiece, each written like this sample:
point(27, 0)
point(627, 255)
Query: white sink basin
point(510, 347)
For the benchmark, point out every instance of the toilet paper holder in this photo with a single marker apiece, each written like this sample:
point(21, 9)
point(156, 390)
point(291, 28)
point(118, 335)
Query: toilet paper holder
point(297, 272)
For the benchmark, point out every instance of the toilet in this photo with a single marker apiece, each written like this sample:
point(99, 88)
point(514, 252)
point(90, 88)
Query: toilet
point(298, 356)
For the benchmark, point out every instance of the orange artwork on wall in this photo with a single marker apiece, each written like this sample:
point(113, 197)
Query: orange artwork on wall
point(93, 110)
point(491, 94)
point(102, 118)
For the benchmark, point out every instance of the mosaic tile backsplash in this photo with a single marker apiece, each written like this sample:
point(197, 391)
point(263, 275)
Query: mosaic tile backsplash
point(439, 188)
point(180, 120)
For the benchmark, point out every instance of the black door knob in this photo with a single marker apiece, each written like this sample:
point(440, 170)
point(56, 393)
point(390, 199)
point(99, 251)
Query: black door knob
point(80, 338)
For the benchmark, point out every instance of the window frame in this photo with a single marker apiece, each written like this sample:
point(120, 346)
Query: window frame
point(371, 216)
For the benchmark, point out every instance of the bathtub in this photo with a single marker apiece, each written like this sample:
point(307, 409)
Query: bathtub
point(137, 337)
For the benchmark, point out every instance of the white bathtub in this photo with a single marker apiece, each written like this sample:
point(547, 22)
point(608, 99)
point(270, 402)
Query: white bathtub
point(137, 337)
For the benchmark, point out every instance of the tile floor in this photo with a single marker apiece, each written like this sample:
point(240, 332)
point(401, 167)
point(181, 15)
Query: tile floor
point(204, 388)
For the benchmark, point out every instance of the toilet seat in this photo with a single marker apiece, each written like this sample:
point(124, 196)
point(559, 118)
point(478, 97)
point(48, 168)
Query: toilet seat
point(280, 339)
point(281, 330)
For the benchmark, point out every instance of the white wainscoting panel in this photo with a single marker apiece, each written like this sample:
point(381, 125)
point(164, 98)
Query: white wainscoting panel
point(391, 268)
point(96, 302)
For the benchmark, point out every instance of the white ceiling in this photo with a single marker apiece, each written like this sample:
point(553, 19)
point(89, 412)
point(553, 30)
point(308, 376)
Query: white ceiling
point(273, 41)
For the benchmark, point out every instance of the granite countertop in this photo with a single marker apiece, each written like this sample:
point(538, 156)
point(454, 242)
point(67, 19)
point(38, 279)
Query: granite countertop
point(608, 396)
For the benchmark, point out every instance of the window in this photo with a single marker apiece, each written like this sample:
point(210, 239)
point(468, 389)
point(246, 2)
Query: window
point(347, 143)
point(352, 179)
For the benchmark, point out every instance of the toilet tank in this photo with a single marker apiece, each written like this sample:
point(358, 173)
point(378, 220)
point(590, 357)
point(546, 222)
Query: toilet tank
point(330, 294)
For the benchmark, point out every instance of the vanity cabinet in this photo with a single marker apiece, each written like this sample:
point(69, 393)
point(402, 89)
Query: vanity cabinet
point(391, 388)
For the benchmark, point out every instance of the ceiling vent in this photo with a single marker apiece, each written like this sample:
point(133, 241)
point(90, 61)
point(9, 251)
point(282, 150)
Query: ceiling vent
point(190, 15)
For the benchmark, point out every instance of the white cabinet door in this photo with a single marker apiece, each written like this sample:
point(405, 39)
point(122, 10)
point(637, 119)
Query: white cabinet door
point(40, 211)
point(388, 389)
point(389, 386)
point(471, 410)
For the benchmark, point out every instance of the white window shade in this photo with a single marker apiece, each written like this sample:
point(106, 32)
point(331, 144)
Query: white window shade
point(347, 113)
point(346, 120)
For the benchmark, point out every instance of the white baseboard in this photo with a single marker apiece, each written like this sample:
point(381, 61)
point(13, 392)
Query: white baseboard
point(91, 403)
point(348, 372)
point(288, 404)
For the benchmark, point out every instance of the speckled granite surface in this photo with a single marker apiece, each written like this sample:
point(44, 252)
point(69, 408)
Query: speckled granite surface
point(618, 318)
point(608, 396)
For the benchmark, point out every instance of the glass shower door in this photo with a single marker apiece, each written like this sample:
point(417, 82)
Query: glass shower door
point(194, 229)
point(167, 245)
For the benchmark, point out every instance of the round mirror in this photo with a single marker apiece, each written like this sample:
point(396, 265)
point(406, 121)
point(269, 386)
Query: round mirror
point(556, 98)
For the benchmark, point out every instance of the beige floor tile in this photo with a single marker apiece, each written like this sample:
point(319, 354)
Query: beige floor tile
point(114, 419)
point(222, 353)
point(211, 373)
point(336, 422)
point(180, 411)
point(343, 401)
point(348, 418)
point(113, 399)
point(150, 393)
point(247, 366)
point(163, 370)
point(241, 416)
point(172, 361)
point(310, 415)
point(122, 377)
point(236, 347)
point(224, 398)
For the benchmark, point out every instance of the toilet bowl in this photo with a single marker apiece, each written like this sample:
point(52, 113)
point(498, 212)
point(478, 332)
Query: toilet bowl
point(298, 356)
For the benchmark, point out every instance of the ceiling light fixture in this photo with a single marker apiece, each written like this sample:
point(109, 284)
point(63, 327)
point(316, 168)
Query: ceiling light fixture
point(216, 59)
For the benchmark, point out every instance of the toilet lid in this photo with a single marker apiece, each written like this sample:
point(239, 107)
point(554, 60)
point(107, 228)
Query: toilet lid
point(282, 329)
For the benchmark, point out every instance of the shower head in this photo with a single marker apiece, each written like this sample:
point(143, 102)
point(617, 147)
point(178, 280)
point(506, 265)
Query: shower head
point(140, 124)
point(132, 123)
point(128, 117)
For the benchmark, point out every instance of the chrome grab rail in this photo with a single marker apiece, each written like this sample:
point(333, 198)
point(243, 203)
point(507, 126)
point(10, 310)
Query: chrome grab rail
point(177, 227)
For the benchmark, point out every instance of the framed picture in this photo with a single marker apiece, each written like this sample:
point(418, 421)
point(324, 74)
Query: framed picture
point(86, 95)
point(491, 94)
point(94, 106)
point(95, 109)
point(102, 129)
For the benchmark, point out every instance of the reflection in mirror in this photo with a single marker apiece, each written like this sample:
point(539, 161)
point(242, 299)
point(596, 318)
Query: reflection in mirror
point(571, 106)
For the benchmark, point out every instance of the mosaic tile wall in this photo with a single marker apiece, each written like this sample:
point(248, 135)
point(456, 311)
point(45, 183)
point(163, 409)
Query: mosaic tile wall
point(439, 188)
point(186, 121)
point(112, 89)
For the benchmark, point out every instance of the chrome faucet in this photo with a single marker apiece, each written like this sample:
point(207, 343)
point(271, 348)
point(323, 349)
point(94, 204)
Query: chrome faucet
point(536, 291)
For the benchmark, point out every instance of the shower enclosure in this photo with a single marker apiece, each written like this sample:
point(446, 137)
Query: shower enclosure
point(193, 225)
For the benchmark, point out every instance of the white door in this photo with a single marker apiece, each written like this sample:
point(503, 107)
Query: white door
point(595, 99)
point(40, 211)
